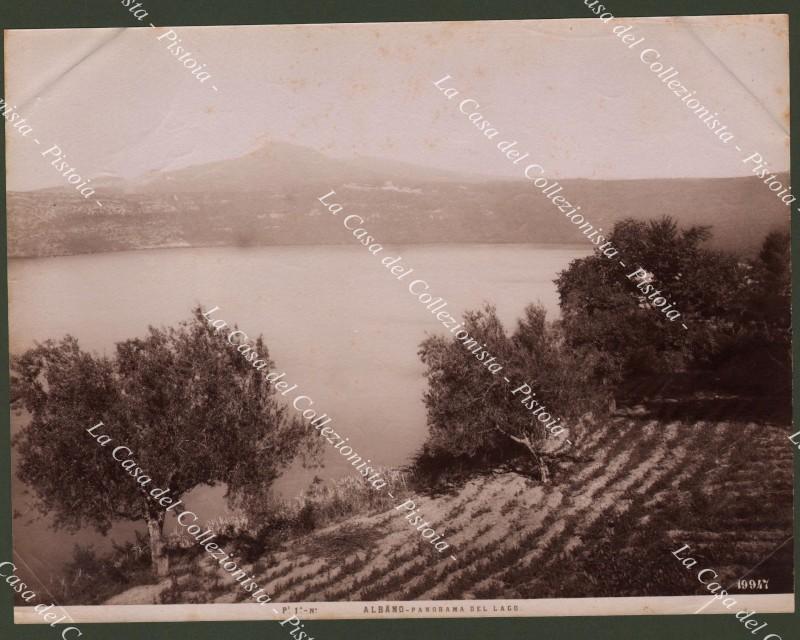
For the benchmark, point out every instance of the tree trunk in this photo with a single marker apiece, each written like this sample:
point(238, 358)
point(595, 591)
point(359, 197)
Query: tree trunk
point(158, 554)
point(543, 470)
point(525, 441)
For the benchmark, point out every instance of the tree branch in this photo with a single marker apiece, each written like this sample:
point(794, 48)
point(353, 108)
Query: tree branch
point(514, 438)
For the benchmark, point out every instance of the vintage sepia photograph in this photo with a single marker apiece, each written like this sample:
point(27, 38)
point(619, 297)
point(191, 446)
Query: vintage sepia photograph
point(400, 320)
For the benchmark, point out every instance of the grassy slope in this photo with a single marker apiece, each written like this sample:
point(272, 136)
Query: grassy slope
point(605, 527)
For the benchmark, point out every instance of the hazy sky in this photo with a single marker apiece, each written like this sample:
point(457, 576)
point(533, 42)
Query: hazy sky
point(579, 100)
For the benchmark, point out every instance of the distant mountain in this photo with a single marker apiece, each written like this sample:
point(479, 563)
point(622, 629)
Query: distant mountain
point(281, 166)
point(269, 197)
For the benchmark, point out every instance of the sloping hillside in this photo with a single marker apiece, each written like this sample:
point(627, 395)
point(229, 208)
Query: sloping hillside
point(269, 197)
point(605, 527)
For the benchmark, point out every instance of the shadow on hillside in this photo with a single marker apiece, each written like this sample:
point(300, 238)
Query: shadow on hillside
point(775, 410)
point(696, 396)
point(442, 475)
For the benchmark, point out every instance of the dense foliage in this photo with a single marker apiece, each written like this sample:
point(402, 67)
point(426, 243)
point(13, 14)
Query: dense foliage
point(475, 414)
point(185, 402)
point(602, 306)
point(737, 317)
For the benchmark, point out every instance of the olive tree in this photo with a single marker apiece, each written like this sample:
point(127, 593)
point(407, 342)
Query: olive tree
point(474, 414)
point(189, 407)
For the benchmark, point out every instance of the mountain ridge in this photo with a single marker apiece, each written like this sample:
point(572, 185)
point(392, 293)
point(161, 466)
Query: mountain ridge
point(269, 196)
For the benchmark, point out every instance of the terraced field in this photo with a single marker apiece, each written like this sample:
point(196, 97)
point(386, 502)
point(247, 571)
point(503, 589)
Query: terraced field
point(604, 527)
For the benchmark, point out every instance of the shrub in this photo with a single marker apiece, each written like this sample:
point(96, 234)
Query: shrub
point(92, 579)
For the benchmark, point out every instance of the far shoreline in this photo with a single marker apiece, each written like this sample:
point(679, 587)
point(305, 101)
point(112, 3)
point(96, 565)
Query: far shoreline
point(167, 247)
